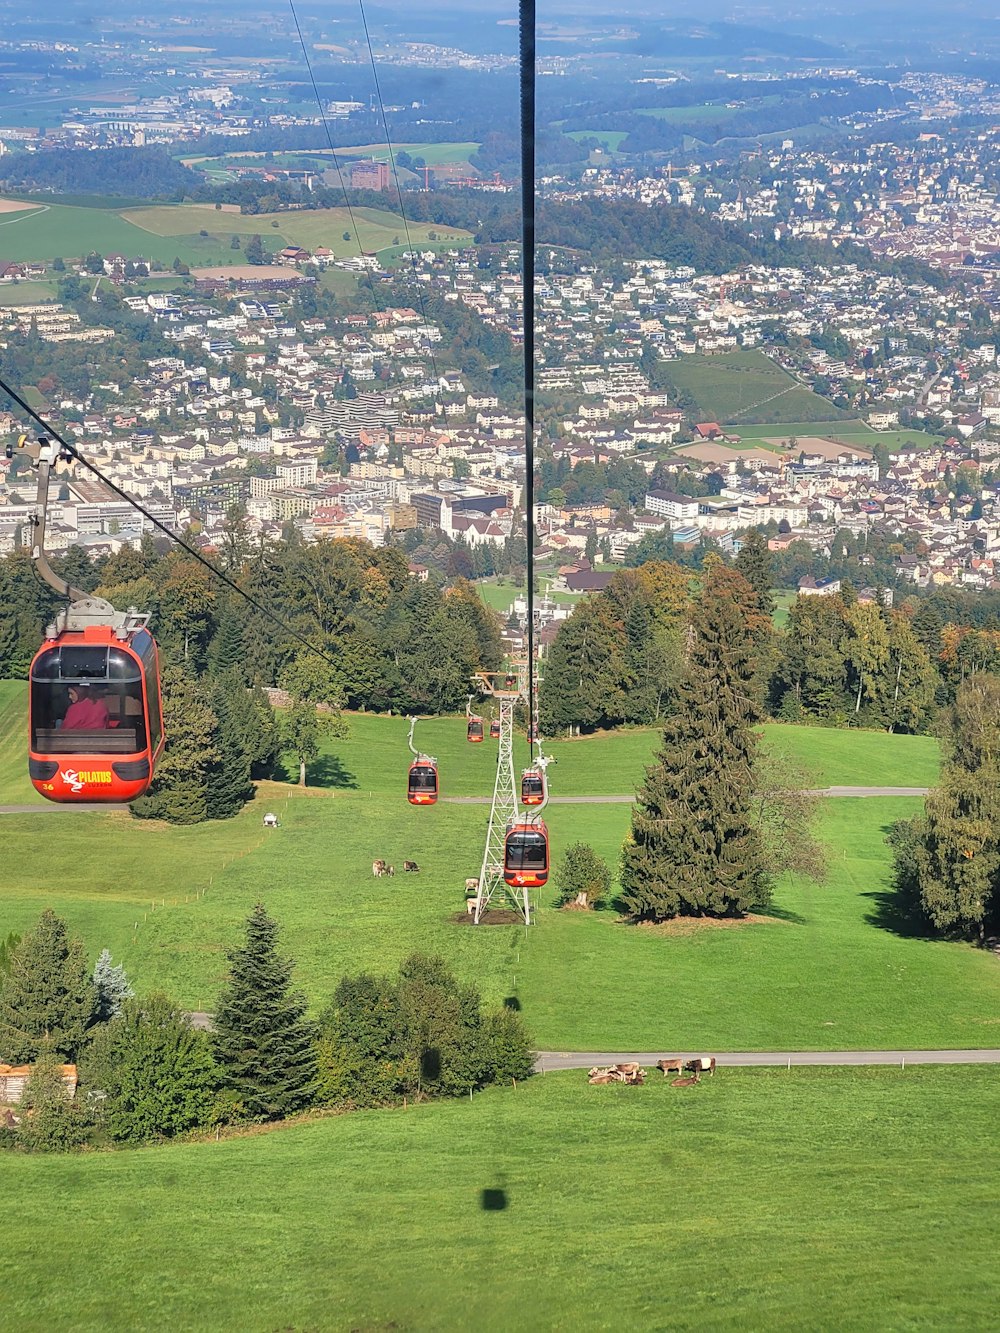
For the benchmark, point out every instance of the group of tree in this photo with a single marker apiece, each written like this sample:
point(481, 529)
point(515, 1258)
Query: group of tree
point(839, 661)
point(367, 635)
point(146, 1074)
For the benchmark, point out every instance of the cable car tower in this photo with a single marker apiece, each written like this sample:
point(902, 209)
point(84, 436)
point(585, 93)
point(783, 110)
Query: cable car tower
point(493, 888)
point(517, 848)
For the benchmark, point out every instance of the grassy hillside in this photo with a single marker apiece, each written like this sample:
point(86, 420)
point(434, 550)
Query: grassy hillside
point(169, 901)
point(376, 227)
point(765, 1199)
point(741, 387)
point(173, 231)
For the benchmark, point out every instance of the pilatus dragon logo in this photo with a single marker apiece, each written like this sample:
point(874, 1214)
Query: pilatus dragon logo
point(76, 781)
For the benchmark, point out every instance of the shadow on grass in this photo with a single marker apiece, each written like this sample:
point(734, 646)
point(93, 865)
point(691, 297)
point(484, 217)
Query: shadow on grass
point(328, 771)
point(891, 912)
point(493, 1200)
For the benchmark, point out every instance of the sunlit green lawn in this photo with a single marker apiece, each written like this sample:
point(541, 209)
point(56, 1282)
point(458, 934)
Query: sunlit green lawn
point(829, 1199)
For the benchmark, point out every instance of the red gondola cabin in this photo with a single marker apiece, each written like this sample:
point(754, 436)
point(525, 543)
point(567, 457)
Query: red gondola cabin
point(95, 715)
point(532, 786)
point(495, 729)
point(474, 731)
point(422, 783)
point(526, 855)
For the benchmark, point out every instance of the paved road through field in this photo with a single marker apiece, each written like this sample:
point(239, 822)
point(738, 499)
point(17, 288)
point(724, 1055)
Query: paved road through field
point(619, 798)
point(551, 1060)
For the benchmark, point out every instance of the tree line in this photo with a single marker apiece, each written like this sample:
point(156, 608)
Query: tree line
point(838, 661)
point(386, 642)
point(147, 1075)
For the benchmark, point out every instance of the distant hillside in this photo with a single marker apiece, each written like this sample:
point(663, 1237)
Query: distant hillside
point(135, 173)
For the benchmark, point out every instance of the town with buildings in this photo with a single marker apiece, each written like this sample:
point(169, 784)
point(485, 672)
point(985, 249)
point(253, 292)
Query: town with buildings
point(359, 425)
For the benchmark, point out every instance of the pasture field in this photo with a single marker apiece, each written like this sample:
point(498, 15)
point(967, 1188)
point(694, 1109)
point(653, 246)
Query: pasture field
point(707, 113)
point(611, 139)
point(855, 431)
point(26, 293)
point(743, 386)
point(167, 232)
point(377, 228)
point(71, 232)
point(828, 967)
point(434, 154)
point(372, 760)
point(770, 1199)
point(848, 432)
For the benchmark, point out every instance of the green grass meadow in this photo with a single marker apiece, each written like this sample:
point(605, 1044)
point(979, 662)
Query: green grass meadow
point(744, 386)
point(166, 232)
point(827, 967)
point(829, 1199)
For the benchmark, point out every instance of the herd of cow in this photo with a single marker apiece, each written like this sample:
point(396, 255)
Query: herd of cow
point(688, 1071)
point(383, 868)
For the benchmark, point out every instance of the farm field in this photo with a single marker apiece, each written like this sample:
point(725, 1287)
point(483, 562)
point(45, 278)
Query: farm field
point(611, 139)
point(739, 387)
point(434, 154)
point(859, 980)
point(819, 1198)
point(377, 228)
point(172, 231)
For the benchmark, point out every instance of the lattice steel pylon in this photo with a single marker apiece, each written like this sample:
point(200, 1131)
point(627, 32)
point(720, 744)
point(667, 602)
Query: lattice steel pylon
point(493, 888)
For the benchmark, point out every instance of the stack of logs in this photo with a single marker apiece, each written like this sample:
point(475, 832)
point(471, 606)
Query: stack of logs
point(634, 1075)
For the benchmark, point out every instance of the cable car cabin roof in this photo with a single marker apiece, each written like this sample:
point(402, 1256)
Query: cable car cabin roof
point(67, 660)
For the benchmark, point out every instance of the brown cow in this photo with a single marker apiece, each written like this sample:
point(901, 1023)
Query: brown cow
point(673, 1065)
point(702, 1064)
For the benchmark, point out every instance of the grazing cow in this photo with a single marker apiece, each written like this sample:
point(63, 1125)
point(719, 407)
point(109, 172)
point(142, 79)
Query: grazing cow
point(270, 821)
point(390, 870)
point(472, 885)
point(410, 868)
point(675, 1065)
point(702, 1064)
point(380, 868)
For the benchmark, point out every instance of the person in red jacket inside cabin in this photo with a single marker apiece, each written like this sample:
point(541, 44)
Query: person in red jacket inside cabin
point(85, 712)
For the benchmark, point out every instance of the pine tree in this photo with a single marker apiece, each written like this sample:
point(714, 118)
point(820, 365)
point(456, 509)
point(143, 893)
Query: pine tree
point(112, 987)
point(754, 563)
point(263, 1044)
point(227, 782)
point(693, 847)
point(47, 997)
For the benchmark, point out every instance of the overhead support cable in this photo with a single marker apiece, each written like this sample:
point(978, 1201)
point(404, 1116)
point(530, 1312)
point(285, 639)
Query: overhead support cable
point(527, 87)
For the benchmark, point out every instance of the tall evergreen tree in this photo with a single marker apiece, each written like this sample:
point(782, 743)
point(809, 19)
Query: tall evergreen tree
point(47, 998)
point(263, 1043)
point(754, 563)
point(693, 847)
